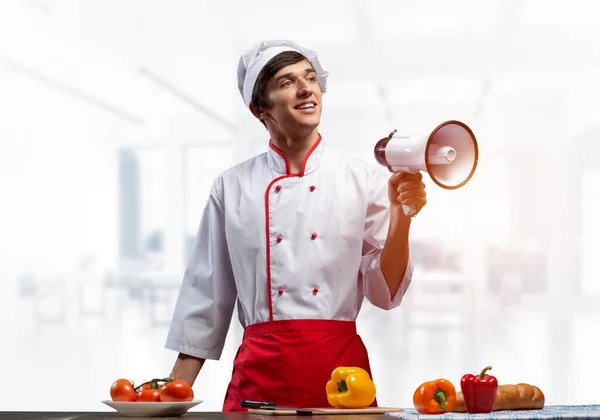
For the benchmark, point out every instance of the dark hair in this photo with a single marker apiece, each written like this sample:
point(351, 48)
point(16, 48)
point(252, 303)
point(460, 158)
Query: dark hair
point(281, 60)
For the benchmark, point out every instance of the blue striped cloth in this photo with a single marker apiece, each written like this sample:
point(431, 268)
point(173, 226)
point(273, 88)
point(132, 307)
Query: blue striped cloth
point(548, 412)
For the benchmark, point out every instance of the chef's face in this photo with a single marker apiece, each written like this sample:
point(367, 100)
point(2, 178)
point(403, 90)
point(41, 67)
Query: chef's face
point(293, 99)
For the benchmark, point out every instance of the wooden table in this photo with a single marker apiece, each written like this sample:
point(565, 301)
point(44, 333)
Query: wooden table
point(48, 415)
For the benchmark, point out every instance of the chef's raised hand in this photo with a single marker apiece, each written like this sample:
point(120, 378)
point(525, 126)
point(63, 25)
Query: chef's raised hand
point(408, 190)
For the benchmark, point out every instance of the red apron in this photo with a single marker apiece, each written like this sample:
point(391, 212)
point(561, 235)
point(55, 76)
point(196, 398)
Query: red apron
point(290, 362)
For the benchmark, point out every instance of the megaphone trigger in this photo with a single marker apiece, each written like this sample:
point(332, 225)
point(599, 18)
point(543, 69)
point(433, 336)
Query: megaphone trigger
point(409, 210)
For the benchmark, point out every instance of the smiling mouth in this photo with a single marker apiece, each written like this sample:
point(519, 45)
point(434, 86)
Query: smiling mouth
point(309, 105)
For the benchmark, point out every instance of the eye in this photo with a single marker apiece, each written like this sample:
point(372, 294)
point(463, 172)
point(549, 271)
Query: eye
point(286, 83)
point(311, 79)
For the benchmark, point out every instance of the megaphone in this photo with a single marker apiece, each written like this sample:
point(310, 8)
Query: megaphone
point(449, 155)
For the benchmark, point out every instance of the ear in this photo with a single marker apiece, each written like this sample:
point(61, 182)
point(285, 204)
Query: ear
point(257, 111)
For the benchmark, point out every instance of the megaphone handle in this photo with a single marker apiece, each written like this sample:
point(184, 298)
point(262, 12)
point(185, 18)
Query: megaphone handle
point(409, 210)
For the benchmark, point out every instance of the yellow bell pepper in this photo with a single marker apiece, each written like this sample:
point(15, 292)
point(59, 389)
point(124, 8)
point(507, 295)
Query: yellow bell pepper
point(350, 387)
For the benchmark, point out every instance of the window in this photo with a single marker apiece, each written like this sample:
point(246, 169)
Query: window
point(143, 202)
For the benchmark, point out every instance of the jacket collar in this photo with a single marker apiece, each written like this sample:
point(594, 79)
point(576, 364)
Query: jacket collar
point(279, 163)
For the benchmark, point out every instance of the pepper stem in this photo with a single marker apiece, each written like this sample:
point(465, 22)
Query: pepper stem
point(440, 396)
point(485, 369)
point(342, 387)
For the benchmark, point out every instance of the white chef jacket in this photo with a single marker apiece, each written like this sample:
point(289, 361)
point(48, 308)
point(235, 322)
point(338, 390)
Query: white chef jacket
point(303, 246)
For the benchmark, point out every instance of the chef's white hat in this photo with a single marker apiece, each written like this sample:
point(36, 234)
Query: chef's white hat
point(254, 59)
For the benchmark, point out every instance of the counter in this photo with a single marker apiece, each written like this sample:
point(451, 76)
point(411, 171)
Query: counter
point(41, 415)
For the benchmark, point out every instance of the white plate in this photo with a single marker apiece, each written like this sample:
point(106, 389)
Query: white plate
point(152, 409)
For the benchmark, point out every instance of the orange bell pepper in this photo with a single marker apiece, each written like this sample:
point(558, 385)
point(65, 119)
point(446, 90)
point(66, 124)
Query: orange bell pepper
point(435, 397)
point(350, 387)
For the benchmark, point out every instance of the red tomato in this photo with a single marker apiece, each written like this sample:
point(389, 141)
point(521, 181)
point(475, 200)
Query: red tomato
point(122, 390)
point(148, 395)
point(145, 386)
point(176, 391)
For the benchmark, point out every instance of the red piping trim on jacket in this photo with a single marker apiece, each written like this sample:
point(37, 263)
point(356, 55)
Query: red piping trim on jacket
point(269, 242)
point(287, 163)
point(268, 230)
point(280, 153)
point(312, 149)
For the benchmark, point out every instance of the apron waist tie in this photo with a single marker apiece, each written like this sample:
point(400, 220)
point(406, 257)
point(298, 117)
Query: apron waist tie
point(300, 325)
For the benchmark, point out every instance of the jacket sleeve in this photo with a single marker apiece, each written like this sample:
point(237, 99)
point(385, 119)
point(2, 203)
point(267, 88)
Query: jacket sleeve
point(376, 228)
point(204, 307)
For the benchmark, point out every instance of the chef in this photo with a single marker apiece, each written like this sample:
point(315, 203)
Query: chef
point(297, 237)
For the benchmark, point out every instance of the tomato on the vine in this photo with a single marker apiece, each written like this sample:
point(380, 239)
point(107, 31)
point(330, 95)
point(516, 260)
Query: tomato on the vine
point(147, 385)
point(176, 391)
point(148, 395)
point(155, 390)
point(122, 390)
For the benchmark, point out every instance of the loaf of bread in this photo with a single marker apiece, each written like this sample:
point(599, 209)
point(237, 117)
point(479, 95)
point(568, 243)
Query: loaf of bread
point(510, 397)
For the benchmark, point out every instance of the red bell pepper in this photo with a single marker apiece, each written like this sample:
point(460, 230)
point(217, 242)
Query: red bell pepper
point(479, 391)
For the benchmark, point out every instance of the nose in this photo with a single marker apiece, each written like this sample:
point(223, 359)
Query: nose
point(304, 88)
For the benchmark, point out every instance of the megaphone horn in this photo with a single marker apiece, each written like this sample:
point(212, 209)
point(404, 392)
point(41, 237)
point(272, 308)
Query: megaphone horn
point(449, 154)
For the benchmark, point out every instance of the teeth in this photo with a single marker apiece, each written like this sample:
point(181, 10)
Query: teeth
point(305, 106)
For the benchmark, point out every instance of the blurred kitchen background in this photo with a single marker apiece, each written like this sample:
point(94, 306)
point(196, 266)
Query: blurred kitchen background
point(116, 115)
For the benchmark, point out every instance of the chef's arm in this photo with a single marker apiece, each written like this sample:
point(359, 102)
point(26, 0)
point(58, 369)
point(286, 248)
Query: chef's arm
point(187, 367)
point(207, 294)
point(385, 263)
point(395, 253)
